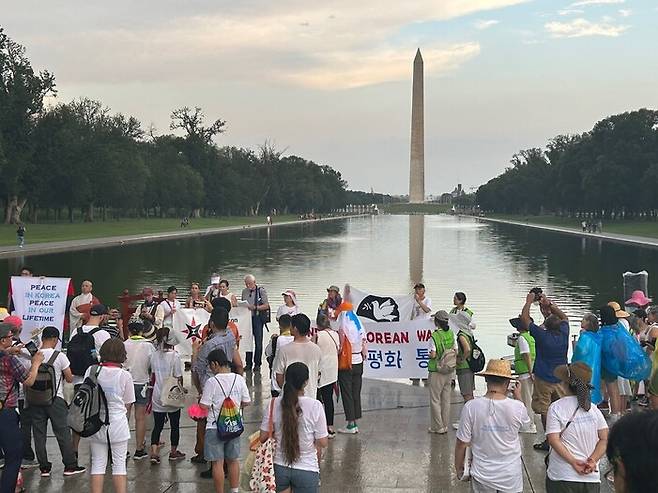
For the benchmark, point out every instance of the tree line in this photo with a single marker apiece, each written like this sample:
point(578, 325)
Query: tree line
point(610, 171)
point(80, 159)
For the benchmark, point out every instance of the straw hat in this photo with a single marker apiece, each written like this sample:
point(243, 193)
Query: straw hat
point(578, 369)
point(618, 311)
point(497, 368)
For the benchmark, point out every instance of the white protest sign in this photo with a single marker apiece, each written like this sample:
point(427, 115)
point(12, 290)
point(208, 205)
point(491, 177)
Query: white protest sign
point(370, 307)
point(39, 302)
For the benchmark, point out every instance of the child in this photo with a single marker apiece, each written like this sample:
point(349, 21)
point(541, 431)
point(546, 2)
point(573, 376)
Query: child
point(223, 384)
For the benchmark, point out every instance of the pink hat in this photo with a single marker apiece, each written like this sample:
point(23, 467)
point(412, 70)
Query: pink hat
point(638, 298)
point(292, 294)
point(13, 320)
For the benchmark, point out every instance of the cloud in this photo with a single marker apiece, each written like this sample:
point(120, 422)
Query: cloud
point(485, 24)
point(625, 12)
point(324, 45)
point(582, 3)
point(570, 12)
point(579, 28)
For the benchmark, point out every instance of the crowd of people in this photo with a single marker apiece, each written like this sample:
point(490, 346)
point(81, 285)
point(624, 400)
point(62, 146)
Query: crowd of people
point(140, 373)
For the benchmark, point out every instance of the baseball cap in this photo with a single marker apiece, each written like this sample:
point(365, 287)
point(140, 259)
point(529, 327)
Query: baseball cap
point(441, 316)
point(14, 321)
point(50, 332)
point(98, 310)
point(333, 288)
point(5, 330)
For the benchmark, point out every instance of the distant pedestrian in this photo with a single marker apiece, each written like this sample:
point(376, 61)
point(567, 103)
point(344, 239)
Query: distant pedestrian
point(20, 235)
point(328, 341)
point(258, 303)
point(490, 426)
point(441, 368)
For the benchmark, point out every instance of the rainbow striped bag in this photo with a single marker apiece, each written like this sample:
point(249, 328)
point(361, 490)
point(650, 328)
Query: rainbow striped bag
point(229, 422)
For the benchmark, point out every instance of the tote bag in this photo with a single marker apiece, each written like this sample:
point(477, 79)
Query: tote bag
point(173, 393)
point(262, 474)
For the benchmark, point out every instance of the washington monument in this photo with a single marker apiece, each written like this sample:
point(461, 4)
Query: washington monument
point(417, 162)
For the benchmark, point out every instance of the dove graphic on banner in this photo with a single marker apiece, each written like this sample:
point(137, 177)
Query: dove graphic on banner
point(374, 308)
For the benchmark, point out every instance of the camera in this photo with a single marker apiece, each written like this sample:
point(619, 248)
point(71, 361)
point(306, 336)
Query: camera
point(512, 338)
point(537, 292)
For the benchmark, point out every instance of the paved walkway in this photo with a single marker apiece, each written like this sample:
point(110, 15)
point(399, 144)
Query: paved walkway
point(619, 238)
point(114, 241)
point(393, 451)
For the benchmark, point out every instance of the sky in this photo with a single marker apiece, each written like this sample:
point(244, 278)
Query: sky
point(331, 81)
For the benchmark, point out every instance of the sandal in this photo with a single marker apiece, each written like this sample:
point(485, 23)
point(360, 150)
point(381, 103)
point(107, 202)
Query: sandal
point(543, 446)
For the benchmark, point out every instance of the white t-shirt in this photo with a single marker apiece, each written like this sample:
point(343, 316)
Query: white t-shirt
point(99, 338)
point(306, 352)
point(286, 310)
point(164, 364)
point(524, 348)
point(280, 342)
point(312, 426)
point(60, 364)
point(213, 396)
point(328, 342)
point(492, 428)
point(119, 391)
point(580, 438)
point(138, 361)
point(418, 312)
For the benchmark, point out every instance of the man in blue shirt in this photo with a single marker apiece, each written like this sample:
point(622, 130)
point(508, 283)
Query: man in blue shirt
point(551, 345)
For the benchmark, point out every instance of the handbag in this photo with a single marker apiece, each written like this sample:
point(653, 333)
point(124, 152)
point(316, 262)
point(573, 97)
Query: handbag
point(548, 455)
point(173, 393)
point(262, 474)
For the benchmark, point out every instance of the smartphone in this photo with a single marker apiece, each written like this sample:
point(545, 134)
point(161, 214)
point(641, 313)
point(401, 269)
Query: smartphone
point(32, 348)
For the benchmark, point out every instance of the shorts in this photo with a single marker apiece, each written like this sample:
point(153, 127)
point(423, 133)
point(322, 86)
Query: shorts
point(477, 487)
point(571, 487)
point(543, 394)
point(215, 449)
point(139, 399)
point(300, 480)
point(466, 379)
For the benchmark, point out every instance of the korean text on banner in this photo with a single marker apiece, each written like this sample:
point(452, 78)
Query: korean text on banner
point(40, 302)
point(398, 349)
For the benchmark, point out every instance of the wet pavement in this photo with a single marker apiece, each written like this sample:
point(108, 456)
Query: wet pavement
point(392, 451)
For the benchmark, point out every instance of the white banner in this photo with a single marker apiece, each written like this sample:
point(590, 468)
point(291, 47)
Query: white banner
point(398, 349)
point(374, 308)
point(191, 322)
point(40, 302)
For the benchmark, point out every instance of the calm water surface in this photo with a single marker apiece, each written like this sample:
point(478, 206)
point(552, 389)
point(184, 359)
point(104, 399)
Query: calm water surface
point(494, 264)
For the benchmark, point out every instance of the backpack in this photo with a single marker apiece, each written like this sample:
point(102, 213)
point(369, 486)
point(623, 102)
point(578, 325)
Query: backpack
point(45, 386)
point(448, 361)
point(270, 359)
point(81, 351)
point(229, 422)
point(88, 411)
point(477, 360)
point(345, 354)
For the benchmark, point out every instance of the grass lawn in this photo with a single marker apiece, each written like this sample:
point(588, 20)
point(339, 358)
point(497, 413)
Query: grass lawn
point(49, 232)
point(647, 229)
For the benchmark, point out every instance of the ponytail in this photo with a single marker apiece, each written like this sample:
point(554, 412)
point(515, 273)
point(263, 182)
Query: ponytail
point(296, 377)
point(161, 336)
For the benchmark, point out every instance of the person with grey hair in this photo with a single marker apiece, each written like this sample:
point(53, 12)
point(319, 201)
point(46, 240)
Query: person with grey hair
point(258, 303)
point(590, 323)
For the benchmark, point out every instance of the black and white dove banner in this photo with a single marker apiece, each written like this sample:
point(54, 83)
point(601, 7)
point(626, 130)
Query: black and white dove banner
point(190, 324)
point(381, 308)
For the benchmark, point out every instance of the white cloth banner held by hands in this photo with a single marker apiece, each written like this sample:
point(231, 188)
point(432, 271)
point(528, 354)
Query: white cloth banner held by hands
point(386, 308)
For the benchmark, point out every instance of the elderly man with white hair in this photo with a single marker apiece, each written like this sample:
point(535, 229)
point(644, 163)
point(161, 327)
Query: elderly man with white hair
point(257, 302)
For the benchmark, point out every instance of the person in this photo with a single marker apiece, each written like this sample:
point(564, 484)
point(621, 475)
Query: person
point(147, 308)
point(20, 235)
point(300, 428)
point(577, 434)
point(638, 300)
point(276, 342)
point(56, 412)
point(12, 373)
point(300, 349)
point(164, 314)
point(443, 339)
point(524, 360)
point(551, 345)
point(117, 384)
point(289, 306)
point(350, 381)
point(490, 426)
point(225, 293)
point(422, 304)
point(329, 307)
point(632, 452)
point(623, 390)
point(114, 324)
point(80, 305)
point(223, 384)
point(219, 338)
point(195, 299)
point(257, 302)
point(97, 314)
point(25, 271)
point(650, 344)
point(460, 321)
point(138, 363)
point(212, 291)
point(328, 342)
point(459, 300)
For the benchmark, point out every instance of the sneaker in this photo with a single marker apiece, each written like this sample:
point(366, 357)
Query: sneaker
point(443, 431)
point(644, 402)
point(178, 455)
point(455, 426)
point(140, 454)
point(198, 459)
point(29, 464)
point(207, 474)
point(432, 430)
point(542, 446)
point(155, 459)
point(331, 434)
point(348, 430)
point(72, 471)
point(45, 472)
point(532, 429)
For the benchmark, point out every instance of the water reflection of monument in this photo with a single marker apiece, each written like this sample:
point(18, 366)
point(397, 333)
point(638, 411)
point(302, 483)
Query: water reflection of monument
point(416, 247)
